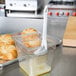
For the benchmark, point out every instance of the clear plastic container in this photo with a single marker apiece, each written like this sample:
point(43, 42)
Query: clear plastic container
point(56, 27)
point(34, 65)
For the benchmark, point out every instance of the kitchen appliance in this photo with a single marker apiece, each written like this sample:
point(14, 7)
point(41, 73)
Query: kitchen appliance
point(23, 6)
point(58, 14)
point(62, 8)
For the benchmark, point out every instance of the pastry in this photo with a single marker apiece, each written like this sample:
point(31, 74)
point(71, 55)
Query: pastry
point(6, 39)
point(29, 34)
point(31, 38)
point(8, 52)
point(2, 61)
point(32, 43)
point(29, 31)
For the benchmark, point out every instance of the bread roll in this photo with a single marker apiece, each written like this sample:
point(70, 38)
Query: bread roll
point(2, 61)
point(8, 52)
point(29, 34)
point(6, 39)
point(32, 43)
point(31, 38)
point(29, 31)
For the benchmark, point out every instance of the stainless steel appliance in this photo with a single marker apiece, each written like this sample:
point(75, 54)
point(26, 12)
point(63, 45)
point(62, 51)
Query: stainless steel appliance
point(58, 13)
point(23, 6)
point(62, 8)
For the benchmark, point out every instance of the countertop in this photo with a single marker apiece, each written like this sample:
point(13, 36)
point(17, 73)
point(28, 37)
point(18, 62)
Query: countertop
point(64, 64)
point(64, 59)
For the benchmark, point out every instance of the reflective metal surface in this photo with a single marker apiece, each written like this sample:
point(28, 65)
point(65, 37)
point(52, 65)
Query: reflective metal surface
point(64, 64)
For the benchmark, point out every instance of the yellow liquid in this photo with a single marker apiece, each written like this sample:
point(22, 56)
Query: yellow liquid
point(35, 67)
